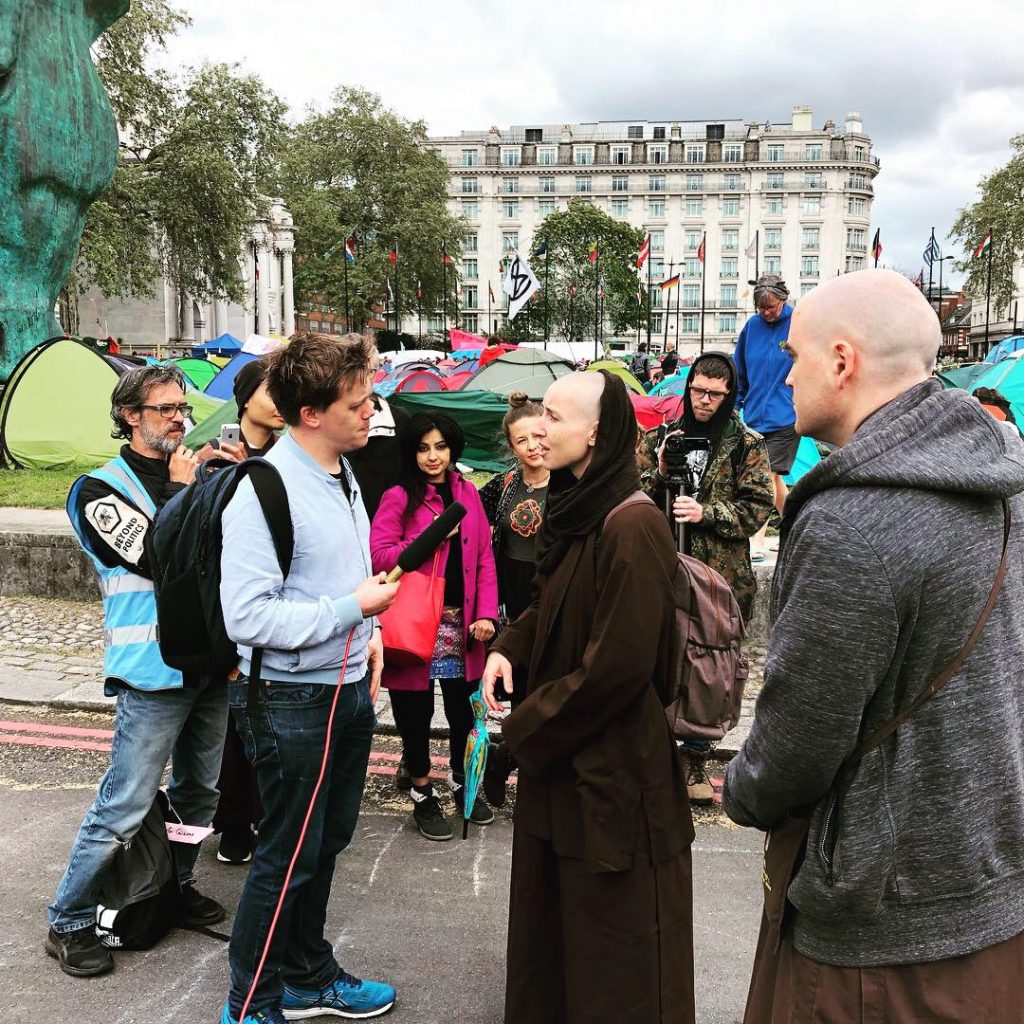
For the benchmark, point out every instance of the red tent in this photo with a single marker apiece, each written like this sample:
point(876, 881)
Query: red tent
point(420, 381)
point(651, 410)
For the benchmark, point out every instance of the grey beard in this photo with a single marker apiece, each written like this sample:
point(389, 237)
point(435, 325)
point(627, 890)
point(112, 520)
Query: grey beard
point(159, 442)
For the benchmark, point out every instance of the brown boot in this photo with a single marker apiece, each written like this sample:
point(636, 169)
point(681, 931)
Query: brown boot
point(698, 785)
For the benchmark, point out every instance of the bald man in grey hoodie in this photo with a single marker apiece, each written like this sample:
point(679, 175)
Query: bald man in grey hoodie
point(909, 902)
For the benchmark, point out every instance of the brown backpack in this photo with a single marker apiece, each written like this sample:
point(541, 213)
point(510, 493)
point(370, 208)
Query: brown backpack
point(703, 694)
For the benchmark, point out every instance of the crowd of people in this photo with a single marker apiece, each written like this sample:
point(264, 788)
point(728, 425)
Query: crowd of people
point(891, 680)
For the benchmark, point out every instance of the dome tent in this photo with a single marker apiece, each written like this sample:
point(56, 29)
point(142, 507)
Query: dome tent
point(223, 385)
point(524, 369)
point(198, 372)
point(55, 410)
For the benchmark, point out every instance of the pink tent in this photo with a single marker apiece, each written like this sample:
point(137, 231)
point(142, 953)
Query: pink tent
point(651, 411)
point(463, 339)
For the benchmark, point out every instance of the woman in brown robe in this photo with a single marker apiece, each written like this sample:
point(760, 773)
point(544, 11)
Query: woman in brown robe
point(600, 916)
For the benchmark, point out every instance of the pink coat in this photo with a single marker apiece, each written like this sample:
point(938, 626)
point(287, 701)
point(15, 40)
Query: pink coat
point(389, 536)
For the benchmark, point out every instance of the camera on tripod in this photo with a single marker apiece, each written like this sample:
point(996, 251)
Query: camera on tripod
point(686, 459)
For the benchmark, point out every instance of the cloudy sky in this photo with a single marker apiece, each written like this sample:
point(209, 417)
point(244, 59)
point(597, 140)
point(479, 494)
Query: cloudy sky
point(940, 86)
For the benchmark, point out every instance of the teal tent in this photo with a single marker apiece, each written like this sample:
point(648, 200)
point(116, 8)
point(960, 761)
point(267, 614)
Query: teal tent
point(1007, 377)
point(963, 376)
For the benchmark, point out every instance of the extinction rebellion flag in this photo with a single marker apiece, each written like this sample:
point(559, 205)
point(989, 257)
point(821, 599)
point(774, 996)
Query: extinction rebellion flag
point(519, 284)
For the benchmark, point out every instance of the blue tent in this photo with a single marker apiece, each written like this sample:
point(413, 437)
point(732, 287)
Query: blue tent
point(1007, 377)
point(807, 457)
point(222, 386)
point(1005, 348)
point(225, 345)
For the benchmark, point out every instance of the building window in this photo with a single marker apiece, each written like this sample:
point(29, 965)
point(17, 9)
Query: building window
point(619, 207)
point(693, 240)
point(510, 209)
point(314, 325)
point(731, 207)
point(728, 296)
point(775, 154)
point(509, 241)
point(855, 238)
point(808, 266)
point(656, 183)
point(547, 156)
point(811, 238)
point(858, 181)
point(689, 323)
point(470, 210)
point(657, 268)
point(726, 323)
point(690, 297)
point(584, 184)
point(695, 183)
point(470, 158)
point(470, 186)
point(812, 205)
point(695, 154)
point(546, 184)
point(854, 263)
point(656, 207)
point(857, 206)
point(546, 206)
point(730, 239)
point(583, 156)
point(772, 239)
point(813, 179)
point(691, 268)
point(338, 328)
point(620, 183)
point(657, 241)
point(730, 267)
point(470, 243)
point(469, 297)
point(509, 185)
point(656, 318)
point(511, 157)
point(657, 298)
point(772, 265)
point(731, 182)
point(732, 154)
point(806, 287)
point(534, 134)
point(659, 133)
point(694, 207)
point(470, 270)
point(620, 154)
point(859, 153)
point(657, 154)
point(471, 322)
point(774, 180)
point(635, 131)
point(434, 324)
point(773, 206)
point(813, 151)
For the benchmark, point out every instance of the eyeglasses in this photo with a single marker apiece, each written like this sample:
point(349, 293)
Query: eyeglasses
point(170, 410)
point(711, 396)
point(774, 307)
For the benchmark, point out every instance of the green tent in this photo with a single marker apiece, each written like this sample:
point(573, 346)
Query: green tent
point(963, 376)
point(614, 366)
point(479, 413)
point(55, 410)
point(208, 428)
point(523, 369)
point(199, 371)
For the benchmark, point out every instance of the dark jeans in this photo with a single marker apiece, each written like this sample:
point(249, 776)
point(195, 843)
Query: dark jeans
point(413, 711)
point(285, 742)
point(239, 806)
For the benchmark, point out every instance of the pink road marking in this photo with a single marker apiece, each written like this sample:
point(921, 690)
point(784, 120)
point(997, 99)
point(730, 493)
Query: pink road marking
point(57, 730)
point(40, 741)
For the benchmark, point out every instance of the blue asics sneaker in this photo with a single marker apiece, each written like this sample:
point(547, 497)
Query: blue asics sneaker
point(344, 997)
point(253, 1017)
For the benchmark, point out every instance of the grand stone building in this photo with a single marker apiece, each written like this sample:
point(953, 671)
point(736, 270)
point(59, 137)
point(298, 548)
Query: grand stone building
point(788, 198)
point(174, 320)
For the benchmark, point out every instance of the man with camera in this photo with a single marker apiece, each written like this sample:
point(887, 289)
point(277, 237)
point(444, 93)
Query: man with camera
point(714, 474)
point(159, 714)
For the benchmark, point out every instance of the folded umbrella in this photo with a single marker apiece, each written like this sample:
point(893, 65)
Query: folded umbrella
point(476, 756)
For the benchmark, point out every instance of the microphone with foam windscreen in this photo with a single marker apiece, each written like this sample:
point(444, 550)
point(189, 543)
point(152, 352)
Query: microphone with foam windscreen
point(428, 541)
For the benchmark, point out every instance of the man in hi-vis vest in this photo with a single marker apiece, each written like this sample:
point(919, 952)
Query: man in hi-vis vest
point(160, 714)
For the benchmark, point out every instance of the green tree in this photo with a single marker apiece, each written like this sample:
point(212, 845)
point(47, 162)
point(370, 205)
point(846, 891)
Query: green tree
point(358, 169)
point(1000, 209)
point(198, 158)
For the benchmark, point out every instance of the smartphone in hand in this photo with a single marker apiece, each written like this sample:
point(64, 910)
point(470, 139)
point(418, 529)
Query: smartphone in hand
point(230, 433)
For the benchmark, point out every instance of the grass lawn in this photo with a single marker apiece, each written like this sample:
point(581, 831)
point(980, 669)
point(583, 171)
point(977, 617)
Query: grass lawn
point(36, 488)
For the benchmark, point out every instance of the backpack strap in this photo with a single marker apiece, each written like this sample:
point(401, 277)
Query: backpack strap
point(273, 499)
point(636, 498)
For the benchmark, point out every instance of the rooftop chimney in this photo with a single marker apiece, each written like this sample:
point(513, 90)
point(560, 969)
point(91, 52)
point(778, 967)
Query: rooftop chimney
point(803, 119)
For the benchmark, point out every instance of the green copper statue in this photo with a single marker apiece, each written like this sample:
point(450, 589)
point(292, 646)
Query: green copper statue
point(58, 150)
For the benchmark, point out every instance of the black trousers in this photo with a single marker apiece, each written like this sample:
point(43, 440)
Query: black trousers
point(413, 711)
point(239, 806)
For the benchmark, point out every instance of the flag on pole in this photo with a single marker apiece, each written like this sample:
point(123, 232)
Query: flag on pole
point(876, 245)
point(572, 291)
point(592, 249)
point(639, 294)
point(501, 269)
point(919, 280)
point(350, 249)
point(932, 252)
point(542, 248)
point(445, 258)
point(751, 250)
point(458, 290)
point(986, 244)
point(700, 250)
point(391, 294)
point(490, 291)
point(600, 291)
point(645, 251)
point(393, 255)
point(670, 283)
point(519, 285)
point(419, 289)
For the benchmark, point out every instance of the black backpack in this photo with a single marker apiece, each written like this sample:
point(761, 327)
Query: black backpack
point(185, 556)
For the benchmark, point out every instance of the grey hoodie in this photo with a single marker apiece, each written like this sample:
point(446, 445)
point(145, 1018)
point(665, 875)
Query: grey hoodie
point(889, 550)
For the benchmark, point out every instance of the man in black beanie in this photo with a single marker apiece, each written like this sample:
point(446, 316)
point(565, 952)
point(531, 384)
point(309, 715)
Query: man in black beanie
point(258, 417)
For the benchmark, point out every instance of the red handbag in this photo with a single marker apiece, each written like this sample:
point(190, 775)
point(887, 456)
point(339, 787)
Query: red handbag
point(409, 626)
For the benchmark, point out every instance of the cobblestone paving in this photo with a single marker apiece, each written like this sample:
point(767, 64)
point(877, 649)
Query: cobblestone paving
point(38, 624)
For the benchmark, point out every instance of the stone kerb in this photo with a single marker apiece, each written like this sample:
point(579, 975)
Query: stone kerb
point(45, 565)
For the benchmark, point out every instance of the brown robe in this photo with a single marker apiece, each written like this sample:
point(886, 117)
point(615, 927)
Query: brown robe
point(601, 906)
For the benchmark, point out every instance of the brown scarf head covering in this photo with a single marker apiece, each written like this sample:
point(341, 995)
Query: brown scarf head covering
point(577, 508)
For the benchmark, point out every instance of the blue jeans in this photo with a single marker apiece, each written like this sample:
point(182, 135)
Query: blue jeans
point(185, 725)
point(285, 742)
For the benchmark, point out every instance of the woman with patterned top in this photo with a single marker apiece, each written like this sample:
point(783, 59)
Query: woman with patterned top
point(514, 503)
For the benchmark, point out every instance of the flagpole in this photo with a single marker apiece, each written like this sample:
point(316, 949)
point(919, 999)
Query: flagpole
point(419, 312)
point(664, 344)
point(398, 323)
point(571, 297)
point(757, 251)
point(941, 261)
point(931, 263)
point(649, 261)
point(988, 291)
point(597, 300)
point(547, 271)
point(703, 279)
point(348, 327)
point(490, 318)
point(679, 289)
point(444, 295)
point(874, 245)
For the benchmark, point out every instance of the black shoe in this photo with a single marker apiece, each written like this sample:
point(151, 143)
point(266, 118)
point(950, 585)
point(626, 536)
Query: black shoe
point(426, 812)
point(236, 845)
point(197, 910)
point(79, 953)
point(403, 780)
point(481, 814)
point(496, 773)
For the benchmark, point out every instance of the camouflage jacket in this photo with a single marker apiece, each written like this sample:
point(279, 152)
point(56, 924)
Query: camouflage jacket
point(738, 497)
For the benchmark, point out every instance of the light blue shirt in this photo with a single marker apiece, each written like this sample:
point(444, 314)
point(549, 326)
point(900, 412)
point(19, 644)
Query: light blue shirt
point(302, 622)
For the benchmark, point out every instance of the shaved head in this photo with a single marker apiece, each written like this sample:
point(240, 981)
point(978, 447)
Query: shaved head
point(567, 431)
point(857, 342)
point(582, 389)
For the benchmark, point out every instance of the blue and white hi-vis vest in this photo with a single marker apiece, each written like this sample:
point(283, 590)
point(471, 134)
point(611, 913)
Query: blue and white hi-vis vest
point(131, 652)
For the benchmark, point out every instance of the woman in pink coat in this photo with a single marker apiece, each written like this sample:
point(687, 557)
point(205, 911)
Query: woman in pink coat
point(431, 445)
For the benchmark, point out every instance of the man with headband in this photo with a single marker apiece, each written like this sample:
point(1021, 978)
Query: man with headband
point(600, 915)
point(763, 363)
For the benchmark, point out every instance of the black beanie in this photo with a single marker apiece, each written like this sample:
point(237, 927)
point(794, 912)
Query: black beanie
point(247, 380)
